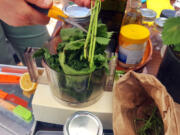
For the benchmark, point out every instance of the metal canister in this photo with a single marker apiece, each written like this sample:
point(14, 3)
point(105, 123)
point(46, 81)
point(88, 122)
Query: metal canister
point(132, 43)
point(78, 14)
point(83, 123)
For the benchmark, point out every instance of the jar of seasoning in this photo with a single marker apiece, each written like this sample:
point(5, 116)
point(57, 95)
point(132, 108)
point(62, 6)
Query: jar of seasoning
point(149, 16)
point(80, 15)
point(83, 123)
point(132, 43)
point(156, 34)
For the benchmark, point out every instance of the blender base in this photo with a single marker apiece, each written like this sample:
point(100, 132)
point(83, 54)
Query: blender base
point(47, 109)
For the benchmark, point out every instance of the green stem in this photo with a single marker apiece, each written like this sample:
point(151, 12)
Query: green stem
point(89, 31)
point(92, 33)
point(95, 32)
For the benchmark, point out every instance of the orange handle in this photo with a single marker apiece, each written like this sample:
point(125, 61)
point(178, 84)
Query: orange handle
point(9, 79)
point(13, 70)
point(56, 13)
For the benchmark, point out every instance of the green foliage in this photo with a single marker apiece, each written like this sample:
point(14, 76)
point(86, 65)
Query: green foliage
point(70, 60)
point(69, 70)
point(171, 32)
point(71, 34)
point(152, 124)
point(51, 60)
point(177, 47)
point(102, 40)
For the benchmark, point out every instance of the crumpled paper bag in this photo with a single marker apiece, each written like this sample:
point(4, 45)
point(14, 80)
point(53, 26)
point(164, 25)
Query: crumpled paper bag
point(134, 89)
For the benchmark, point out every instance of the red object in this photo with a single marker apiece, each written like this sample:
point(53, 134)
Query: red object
point(13, 70)
point(3, 94)
point(9, 78)
point(15, 99)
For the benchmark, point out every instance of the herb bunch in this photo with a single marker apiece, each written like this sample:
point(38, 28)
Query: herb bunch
point(152, 124)
point(81, 53)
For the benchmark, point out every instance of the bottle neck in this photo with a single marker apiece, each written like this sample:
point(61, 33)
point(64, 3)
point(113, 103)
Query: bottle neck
point(135, 4)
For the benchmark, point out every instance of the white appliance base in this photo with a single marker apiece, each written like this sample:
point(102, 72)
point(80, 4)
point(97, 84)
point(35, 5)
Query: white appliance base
point(47, 109)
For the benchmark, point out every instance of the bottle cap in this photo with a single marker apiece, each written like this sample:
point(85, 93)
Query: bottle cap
point(160, 21)
point(134, 34)
point(148, 14)
point(167, 13)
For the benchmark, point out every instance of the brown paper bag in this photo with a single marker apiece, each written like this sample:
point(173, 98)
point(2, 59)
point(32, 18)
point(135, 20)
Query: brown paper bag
point(133, 90)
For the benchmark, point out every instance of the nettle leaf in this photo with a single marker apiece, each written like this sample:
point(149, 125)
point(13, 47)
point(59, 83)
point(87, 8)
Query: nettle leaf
point(109, 34)
point(61, 46)
point(171, 31)
point(176, 48)
point(75, 45)
point(101, 61)
point(39, 53)
point(69, 70)
point(71, 34)
point(102, 30)
point(102, 40)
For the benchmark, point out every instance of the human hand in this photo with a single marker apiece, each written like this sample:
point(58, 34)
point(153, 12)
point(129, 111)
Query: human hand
point(19, 13)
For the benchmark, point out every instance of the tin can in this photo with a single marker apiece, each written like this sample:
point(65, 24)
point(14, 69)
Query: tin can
point(83, 123)
point(132, 43)
point(77, 14)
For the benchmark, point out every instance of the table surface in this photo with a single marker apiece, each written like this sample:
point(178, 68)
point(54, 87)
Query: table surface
point(19, 126)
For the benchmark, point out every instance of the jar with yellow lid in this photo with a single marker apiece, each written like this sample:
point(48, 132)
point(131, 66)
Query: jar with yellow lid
point(132, 43)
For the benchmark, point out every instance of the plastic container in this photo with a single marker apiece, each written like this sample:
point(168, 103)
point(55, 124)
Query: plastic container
point(132, 43)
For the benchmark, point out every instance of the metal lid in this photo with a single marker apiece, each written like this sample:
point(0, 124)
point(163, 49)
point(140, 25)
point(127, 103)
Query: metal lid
point(160, 21)
point(83, 123)
point(167, 13)
point(148, 14)
point(75, 11)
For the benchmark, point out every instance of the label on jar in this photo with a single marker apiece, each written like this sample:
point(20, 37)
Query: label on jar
point(132, 54)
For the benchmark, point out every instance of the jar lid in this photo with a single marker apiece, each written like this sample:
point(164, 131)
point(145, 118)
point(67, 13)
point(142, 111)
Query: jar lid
point(148, 14)
point(160, 21)
point(168, 13)
point(134, 33)
point(83, 123)
point(75, 11)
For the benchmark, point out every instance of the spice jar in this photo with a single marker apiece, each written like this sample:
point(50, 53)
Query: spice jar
point(149, 16)
point(132, 43)
point(156, 33)
point(80, 15)
point(83, 123)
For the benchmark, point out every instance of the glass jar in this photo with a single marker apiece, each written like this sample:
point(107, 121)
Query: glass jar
point(80, 15)
point(149, 17)
point(156, 37)
point(76, 90)
point(83, 123)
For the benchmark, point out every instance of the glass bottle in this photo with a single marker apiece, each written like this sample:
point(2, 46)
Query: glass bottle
point(156, 38)
point(133, 14)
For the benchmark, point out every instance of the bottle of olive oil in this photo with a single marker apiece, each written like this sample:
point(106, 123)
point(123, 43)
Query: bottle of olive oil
point(111, 14)
point(133, 14)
